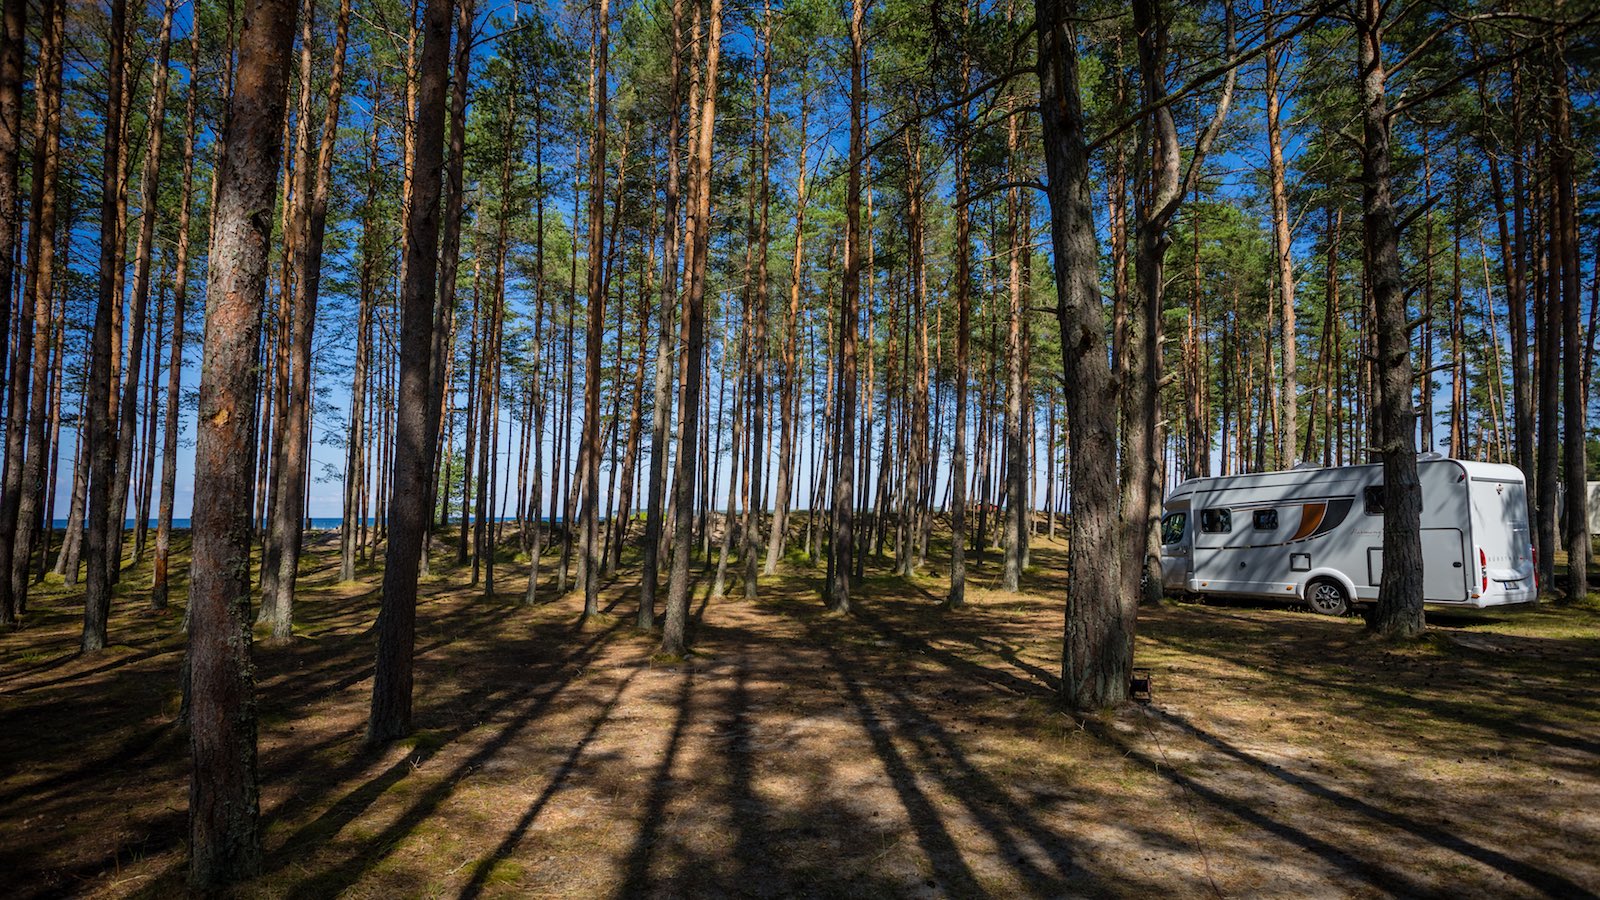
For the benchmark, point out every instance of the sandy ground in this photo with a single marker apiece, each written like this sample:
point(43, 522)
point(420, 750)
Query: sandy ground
point(899, 751)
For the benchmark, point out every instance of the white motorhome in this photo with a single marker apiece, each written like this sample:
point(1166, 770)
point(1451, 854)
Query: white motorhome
point(1315, 535)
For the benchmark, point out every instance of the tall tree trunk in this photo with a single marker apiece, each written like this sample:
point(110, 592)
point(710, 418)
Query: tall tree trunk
point(1399, 610)
point(1017, 244)
point(1282, 247)
point(391, 687)
point(841, 550)
point(150, 184)
point(1573, 375)
point(450, 258)
point(595, 332)
point(39, 295)
point(758, 375)
point(180, 291)
point(660, 410)
point(311, 216)
point(789, 390)
point(13, 33)
point(1162, 192)
point(356, 459)
point(963, 298)
point(102, 377)
point(1098, 650)
point(536, 547)
point(697, 240)
point(224, 838)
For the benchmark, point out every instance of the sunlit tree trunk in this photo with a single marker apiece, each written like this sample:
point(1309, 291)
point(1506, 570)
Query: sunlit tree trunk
point(696, 240)
point(789, 385)
point(180, 282)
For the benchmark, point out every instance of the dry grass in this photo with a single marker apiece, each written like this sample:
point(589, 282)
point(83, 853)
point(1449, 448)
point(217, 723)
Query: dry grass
point(903, 750)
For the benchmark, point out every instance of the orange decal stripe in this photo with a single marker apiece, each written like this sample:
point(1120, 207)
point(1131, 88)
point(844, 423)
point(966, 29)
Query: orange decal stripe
point(1310, 517)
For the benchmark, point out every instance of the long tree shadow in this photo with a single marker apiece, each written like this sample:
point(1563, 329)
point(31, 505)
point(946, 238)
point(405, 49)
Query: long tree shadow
point(1551, 883)
point(353, 804)
point(636, 878)
point(558, 780)
point(1515, 709)
point(943, 758)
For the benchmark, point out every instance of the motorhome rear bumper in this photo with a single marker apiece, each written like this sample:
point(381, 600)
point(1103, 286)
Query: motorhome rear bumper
point(1497, 598)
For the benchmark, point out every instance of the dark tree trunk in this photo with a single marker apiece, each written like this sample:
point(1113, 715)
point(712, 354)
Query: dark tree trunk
point(309, 221)
point(660, 412)
point(40, 296)
point(841, 549)
point(1098, 650)
point(1399, 610)
point(1565, 260)
point(224, 838)
point(391, 686)
point(595, 332)
point(102, 377)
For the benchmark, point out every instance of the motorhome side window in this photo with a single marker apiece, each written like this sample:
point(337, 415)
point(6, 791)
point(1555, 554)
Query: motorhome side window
point(1172, 528)
point(1266, 520)
point(1216, 521)
point(1372, 497)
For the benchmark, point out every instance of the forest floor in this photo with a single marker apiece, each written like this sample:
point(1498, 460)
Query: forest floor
point(902, 750)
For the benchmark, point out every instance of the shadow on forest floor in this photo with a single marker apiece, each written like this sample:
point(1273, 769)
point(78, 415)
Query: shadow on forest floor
point(903, 750)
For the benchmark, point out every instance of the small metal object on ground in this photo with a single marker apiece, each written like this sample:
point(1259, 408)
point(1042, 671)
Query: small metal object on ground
point(1139, 686)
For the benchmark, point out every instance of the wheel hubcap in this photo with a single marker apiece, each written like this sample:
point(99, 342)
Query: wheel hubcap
point(1327, 598)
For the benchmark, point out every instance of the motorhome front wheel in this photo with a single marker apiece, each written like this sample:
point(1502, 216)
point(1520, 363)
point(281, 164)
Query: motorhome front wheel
point(1327, 598)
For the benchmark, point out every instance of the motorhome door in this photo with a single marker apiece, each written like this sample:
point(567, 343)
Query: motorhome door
point(1444, 572)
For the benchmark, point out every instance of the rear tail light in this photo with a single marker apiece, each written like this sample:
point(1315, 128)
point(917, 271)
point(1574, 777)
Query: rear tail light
point(1483, 568)
point(1536, 568)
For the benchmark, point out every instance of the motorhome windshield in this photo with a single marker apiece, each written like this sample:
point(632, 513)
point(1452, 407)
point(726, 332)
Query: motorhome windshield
point(1172, 527)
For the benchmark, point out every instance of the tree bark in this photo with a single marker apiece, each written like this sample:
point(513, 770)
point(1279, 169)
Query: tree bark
point(1399, 610)
point(789, 386)
point(1565, 260)
point(756, 505)
point(224, 837)
point(40, 296)
point(697, 240)
point(102, 376)
point(1282, 245)
point(180, 284)
point(841, 549)
point(1097, 652)
point(595, 332)
point(390, 716)
point(310, 220)
point(660, 413)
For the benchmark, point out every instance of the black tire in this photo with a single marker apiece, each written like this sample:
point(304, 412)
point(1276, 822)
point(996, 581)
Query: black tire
point(1327, 597)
